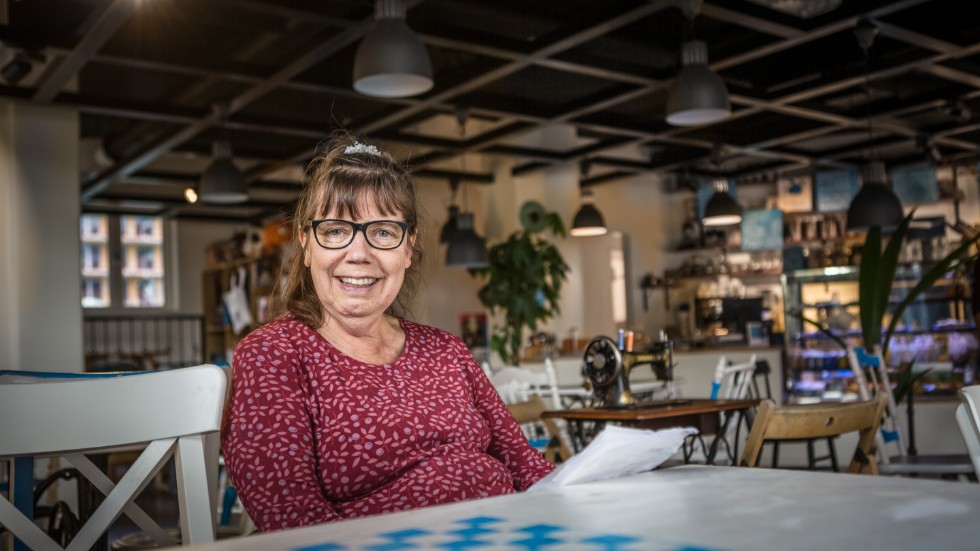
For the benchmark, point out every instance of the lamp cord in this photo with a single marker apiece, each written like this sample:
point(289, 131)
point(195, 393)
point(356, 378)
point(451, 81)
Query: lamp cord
point(867, 93)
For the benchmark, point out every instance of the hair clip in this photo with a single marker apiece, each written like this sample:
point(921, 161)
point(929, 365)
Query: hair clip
point(358, 147)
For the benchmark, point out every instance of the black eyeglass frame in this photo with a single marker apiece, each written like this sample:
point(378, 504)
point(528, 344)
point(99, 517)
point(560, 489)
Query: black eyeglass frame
point(362, 227)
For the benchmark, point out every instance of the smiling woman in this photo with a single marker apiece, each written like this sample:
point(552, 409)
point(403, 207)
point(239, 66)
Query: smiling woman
point(341, 408)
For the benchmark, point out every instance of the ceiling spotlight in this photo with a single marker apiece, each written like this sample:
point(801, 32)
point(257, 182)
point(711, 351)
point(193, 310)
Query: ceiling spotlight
point(698, 96)
point(190, 194)
point(391, 60)
point(222, 182)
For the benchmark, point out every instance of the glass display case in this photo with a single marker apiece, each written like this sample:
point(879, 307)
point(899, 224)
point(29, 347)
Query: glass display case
point(936, 331)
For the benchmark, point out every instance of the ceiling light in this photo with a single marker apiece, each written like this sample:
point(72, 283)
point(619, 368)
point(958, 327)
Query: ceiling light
point(190, 194)
point(222, 182)
point(449, 228)
point(588, 220)
point(875, 205)
point(466, 248)
point(391, 60)
point(698, 96)
point(722, 209)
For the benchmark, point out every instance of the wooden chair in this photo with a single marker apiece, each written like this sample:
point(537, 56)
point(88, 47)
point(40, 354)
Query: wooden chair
point(818, 421)
point(173, 413)
point(968, 419)
point(530, 412)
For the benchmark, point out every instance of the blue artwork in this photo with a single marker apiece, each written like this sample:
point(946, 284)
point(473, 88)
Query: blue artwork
point(915, 183)
point(762, 230)
point(706, 189)
point(497, 533)
point(834, 189)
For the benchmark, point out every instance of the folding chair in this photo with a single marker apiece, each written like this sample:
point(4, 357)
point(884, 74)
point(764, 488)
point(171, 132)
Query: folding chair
point(174, 413)
point(892, 432)
point(797, 422)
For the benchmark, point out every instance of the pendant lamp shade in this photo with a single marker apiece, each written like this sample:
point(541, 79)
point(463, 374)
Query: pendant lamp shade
point(588, 220)
point(722, 209)
point(391, 60)
point(875, 205)
point(449, 228)
point(698, 96)
point(466, 248)
point(222, 183)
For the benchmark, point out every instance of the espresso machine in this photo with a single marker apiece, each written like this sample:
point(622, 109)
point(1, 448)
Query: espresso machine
point(607, 365)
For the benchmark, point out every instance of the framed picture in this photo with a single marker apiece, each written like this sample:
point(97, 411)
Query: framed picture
point(915, 183)
point(762, 230)
point(795, 194)
point(473, 329)
point(755, 334)
point(834, 189)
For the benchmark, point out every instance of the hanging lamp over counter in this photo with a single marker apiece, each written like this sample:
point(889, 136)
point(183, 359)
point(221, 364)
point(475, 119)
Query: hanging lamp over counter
point(466, 248)
point(698, 96)
point(222, 183)
point(722, 209)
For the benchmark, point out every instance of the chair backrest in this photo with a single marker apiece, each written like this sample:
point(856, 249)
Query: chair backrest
point(530, 411)
point(818, 421)
point(871, 374)
point(733, 382)
point(968, 418)
point(174, 413)
point(517, 384)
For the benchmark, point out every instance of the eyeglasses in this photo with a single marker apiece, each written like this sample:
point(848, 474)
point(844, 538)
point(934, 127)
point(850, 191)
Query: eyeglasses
point(380, 234)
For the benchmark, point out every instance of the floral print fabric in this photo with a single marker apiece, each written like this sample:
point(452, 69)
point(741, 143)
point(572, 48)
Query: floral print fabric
point(312, 435)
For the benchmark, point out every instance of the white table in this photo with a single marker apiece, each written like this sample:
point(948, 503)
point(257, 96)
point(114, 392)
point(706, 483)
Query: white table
point(691, 507)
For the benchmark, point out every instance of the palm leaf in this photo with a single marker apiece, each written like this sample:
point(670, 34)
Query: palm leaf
point(824, 329)
point(868, 280)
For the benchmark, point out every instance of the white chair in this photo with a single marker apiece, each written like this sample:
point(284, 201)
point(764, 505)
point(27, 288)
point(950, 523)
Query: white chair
point(730, 382)
point(517, 385)
point(871, 375)
point(173, 413)
point(968, 418)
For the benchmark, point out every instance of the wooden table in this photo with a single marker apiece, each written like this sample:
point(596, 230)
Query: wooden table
point(687, 507)
point(700, 413)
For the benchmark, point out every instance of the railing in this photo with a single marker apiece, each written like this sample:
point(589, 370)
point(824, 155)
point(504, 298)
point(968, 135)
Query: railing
point(122, 343)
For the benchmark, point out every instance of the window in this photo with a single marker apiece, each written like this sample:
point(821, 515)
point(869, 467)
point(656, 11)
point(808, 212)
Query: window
point(122, 263)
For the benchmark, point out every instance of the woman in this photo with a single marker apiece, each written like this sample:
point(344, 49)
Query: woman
point(339, 409)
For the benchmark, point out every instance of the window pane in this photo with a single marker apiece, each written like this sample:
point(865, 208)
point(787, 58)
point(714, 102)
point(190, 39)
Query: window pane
point(142, 256)
point(95, 261)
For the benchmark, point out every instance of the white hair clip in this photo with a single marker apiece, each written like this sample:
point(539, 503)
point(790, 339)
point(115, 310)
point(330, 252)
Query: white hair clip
point(358, 147)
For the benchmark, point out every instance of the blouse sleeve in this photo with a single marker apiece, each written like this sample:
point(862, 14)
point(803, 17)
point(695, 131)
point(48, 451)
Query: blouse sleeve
point(268, 444)
point(508, 443)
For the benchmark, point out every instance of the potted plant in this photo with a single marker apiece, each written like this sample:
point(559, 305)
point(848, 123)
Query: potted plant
point(524, 278)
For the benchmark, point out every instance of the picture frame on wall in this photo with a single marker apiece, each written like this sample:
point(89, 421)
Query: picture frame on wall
point(755, 334)
point(915, 183)
point(473, 329)
point(795, 194)
point(834, 189)
point(762, 230)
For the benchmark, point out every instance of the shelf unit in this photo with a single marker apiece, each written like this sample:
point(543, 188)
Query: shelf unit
point(934, 330)
point(219, 337)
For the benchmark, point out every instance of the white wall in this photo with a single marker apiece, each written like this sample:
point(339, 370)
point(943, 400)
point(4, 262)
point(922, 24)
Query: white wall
point(40, 279)
point(189, 259)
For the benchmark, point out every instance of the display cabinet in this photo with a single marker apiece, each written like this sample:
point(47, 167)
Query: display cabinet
point(936, 331)
point(260, 273)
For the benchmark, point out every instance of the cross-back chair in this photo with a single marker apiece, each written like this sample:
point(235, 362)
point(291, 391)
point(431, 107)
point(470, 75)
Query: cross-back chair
point(517, 385)
point(530, 411)
point(173, 413)
point(795, 422)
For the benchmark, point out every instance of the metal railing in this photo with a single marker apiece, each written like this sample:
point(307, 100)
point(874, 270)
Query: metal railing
point(145, 342)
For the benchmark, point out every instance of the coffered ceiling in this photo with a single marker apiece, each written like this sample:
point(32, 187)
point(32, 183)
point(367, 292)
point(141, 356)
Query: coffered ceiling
point(154, 79)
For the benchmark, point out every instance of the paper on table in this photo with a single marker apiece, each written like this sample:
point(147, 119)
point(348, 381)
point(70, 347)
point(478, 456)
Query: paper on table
point(615, 452)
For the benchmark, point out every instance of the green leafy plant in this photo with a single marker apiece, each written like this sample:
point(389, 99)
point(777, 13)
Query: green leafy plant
point(524, 280)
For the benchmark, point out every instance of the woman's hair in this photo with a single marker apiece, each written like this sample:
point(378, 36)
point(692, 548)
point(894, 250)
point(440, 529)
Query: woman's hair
point(343, 177)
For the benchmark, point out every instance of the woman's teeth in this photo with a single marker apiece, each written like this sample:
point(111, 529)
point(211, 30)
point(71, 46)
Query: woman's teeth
point(358, 281)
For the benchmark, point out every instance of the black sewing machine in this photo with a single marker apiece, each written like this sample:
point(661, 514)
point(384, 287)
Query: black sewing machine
point(607, 365)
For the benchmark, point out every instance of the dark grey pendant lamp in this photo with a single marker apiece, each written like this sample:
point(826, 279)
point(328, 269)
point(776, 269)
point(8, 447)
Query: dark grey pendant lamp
point(588, 221)
point(391, 60)
point(875, 204)
point(449, 228)
point(466, 248)
point(222, 183)
point(722, 209)
point(698, 96)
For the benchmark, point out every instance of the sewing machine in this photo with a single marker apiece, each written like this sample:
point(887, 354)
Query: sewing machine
point(607, 365)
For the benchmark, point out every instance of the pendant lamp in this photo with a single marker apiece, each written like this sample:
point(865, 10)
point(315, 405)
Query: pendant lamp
point(698, 96)
point(875, 205)
point(222, 182)
point(722, 209)
point(449, 228)
point(391, 60)
point(588, 220)
point(466, 248)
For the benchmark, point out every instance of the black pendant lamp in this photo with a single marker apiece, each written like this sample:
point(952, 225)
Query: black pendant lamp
point(449, 228)
point(588, 220)
point(466, 248)
point(222, 183)
point(391, 60)
point(875, 205)
point(722, 209)
point(698, 96)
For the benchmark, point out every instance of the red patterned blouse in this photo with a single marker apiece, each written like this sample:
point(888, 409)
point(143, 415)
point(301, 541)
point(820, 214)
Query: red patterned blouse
point(312, 435)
